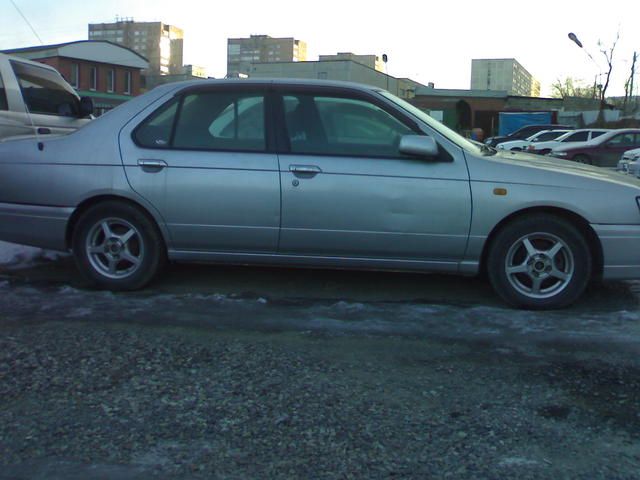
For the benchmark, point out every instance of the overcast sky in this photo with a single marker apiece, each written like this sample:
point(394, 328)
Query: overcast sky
point(425, 40)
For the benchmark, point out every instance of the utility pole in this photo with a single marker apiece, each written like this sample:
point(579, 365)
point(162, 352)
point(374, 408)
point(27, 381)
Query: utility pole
point(632, 101)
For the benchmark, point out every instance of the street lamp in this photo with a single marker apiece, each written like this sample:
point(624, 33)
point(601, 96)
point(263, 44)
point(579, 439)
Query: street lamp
point(574, 38)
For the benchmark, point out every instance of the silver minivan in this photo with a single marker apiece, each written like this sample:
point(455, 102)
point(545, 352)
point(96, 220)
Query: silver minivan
point(36, 99)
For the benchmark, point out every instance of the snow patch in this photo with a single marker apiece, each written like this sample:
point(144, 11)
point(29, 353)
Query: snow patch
point(14, 255)
point(518, 462)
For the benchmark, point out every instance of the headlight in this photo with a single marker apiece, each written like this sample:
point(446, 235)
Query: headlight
point(559, 154)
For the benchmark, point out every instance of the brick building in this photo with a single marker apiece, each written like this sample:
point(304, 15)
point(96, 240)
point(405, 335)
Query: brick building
point(107, 72)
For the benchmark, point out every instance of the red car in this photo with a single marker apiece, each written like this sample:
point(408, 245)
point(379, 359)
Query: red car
point(603, 151)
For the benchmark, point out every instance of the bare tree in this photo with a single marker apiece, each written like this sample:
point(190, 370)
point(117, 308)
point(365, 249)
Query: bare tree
point(608, 55)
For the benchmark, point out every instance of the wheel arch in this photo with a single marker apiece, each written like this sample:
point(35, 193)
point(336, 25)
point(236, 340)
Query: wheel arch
point(90, 202)
point(595, 247)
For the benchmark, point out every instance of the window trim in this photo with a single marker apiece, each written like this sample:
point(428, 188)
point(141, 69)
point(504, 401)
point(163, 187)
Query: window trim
point(93, 78)
point(75, 79)
point(264, 90)
point(128, 80)
point(111, 78)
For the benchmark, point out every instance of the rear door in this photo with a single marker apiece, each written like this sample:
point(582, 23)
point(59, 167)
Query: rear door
point(348, 192)
point(204, 160)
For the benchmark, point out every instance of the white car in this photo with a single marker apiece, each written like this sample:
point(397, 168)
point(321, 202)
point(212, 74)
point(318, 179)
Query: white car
point(630, 162)
point(520, 145)
point(573, 136)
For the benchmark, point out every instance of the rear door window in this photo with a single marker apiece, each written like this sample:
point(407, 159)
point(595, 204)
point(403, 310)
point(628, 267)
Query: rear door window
point(45, 91)
point(577, 137)
point(221, 121)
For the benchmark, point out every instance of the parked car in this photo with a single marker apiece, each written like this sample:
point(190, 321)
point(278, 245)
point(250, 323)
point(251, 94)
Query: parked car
point(34, 98)
point(524, 132)
point(629, 162)
point(573, 136)
point(519, 145)
point(313, 173)
point(603, 151)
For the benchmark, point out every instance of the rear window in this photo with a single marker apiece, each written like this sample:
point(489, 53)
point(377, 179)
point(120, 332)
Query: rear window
point(45, 91)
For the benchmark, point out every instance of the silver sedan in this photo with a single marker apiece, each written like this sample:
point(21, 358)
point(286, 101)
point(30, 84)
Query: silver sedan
point(306, 173)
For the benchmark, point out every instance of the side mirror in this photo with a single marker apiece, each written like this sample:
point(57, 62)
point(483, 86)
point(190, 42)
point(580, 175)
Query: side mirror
point(418, 145)
point(86, 107)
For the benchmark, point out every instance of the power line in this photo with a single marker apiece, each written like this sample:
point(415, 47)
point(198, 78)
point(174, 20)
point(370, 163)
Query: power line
point(27, 22)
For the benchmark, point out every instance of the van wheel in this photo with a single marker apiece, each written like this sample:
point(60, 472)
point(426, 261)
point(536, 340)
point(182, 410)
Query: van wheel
point(539, 262)
point(117, 247)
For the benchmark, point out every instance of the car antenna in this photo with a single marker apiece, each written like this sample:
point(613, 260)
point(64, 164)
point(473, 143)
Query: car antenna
point(33, 125)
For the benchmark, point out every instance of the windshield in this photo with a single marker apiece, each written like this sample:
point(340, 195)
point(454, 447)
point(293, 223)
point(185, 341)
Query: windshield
point(436, 125)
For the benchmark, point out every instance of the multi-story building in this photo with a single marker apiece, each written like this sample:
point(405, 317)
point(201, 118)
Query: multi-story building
point(371, 61)
point(343, 70)
point(160, 43)
point(242, 52)
point(108, 73)
point(503, 74)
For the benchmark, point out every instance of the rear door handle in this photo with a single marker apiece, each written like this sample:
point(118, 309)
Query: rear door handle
point(306, 170)
point(152, 163)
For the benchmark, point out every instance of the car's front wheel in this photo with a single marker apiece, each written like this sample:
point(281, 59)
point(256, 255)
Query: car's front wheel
point(117, 247)
point(539, 262)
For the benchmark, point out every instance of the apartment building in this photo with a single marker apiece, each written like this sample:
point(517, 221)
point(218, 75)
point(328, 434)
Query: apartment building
point(503, 74)
point(242, 52)
point(160, 43)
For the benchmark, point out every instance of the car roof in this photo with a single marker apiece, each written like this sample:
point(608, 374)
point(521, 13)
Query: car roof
point(277, 81)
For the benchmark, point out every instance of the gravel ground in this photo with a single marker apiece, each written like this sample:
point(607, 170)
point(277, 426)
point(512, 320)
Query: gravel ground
point(95, 400)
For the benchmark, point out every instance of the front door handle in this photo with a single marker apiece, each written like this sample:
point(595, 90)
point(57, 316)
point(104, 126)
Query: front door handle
point(305, 170)
point(151, 165)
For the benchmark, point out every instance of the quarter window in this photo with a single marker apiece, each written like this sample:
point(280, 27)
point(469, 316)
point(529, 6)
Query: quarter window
point(45, 91)
point(341, 126)
point(3, 96)
point(155, 131)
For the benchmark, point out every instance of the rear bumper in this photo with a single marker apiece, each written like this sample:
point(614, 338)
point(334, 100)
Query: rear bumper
point(34, 225)
point(621, 250)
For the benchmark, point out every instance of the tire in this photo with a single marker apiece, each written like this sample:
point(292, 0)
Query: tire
point(539, 262)
point(583, 159)
point(117, 247)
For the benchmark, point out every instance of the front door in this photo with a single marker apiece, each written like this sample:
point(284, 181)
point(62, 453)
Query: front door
point(348, 192)
point(203, 161)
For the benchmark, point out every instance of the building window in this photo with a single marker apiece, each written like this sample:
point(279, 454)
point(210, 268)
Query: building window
point(127, 83)
point(93, 78)
point(111, 81)
point(75, 75)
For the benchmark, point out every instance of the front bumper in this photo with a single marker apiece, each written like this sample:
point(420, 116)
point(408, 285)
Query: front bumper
point(34, 225)
point(621, 251)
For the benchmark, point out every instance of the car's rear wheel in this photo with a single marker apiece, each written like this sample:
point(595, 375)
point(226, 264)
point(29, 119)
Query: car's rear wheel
point(583, 159)
point(539, 262)
point(117, 247)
